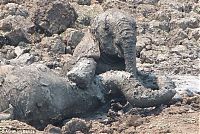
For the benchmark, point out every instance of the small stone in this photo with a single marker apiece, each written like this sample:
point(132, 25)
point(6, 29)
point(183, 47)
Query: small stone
point(54, 44)
point(50, 129)
point(75, 125)
point(72, 37)
point(84, 2)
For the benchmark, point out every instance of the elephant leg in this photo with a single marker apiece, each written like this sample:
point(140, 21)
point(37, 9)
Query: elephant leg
point(83, 72)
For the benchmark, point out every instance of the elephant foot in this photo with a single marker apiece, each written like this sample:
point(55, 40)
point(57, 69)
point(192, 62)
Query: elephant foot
point(83, 72)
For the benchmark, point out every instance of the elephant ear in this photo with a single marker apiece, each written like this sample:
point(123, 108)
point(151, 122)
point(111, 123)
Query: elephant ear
point(88, 47)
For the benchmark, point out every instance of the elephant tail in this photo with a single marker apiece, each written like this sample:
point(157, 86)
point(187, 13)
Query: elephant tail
point(135, 93)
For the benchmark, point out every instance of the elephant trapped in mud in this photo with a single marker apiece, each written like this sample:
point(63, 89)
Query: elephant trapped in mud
point(111, 41)
point(115, 31)
point(113, 36)
point(40, 97)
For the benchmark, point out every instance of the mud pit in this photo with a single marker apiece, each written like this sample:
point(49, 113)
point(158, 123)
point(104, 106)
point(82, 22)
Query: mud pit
point(55, 71)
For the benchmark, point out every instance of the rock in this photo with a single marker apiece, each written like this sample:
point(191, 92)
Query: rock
point(86, 14)
point(147, 56)
point(16, 29)
point(50, 129)
point(69, 61)
point(72, 37)
point(88, 47)
point(187, 93)
point(5, 69)
point(146, 10)
point(197, 8)
point(3, 41)
point(75, 125)
point(129, 7)
point(54, 16)
point(184, 23)
point(177, 37)
point(84, 2)
point(153, 2)
point(40, 97)
point(7, 114)
point(179, 49)
point(177, 98)
point(19, 50)
point(54, 44)
point(16, 9)
point(195, 34)
point(142, 42)
point(7, 53)
point(17, 36)
point(23, 59)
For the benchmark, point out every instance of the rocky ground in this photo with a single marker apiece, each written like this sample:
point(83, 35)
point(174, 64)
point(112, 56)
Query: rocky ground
point(168, 43)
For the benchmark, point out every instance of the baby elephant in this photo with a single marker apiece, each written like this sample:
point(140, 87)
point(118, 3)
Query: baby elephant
point(115, 31)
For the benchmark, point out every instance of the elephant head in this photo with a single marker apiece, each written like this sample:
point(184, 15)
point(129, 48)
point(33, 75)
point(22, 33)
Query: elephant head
point(115, 31)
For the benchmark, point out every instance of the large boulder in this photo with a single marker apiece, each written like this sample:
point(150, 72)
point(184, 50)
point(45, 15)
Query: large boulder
point(54, 16)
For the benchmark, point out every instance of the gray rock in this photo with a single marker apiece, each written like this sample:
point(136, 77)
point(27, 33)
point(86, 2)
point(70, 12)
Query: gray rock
point(69, 61)
point(7, 114)
point(54, 16)
point(72, 37)
point(75, 125)
point(17, 36)
point(3, 41)
point(84, 2)
point(147, 56)
point(16, 9)
point(50, 129)
point(197, 8)
point(150, 1)
point(88, 47)
point(86, 14)
point(195, 34)
point(15, 29)
point(54, 44)
point(184, 23)
point(23, 59)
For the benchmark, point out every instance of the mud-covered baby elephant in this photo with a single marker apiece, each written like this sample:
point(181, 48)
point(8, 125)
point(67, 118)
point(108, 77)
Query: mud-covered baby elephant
point(115, 30)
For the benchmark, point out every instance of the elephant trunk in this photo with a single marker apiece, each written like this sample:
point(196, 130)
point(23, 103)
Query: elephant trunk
point(134, 92)
point(126, 30)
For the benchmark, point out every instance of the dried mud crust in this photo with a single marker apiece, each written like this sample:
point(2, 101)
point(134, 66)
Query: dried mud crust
point(174, 119)
point(181, 118)
point(17, 127)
